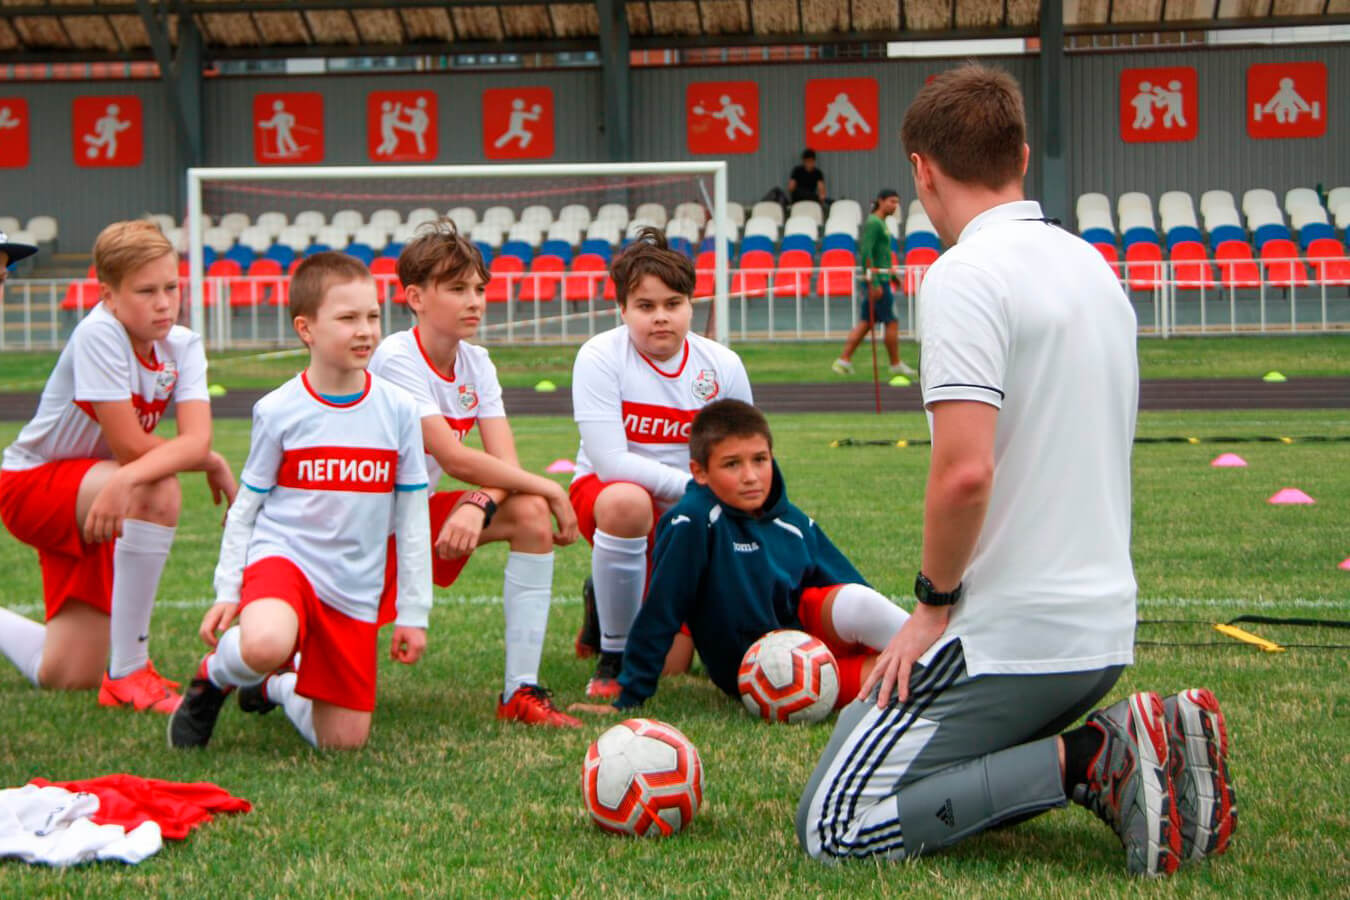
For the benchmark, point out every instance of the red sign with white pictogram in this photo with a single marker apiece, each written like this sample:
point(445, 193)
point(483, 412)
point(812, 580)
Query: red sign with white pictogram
point(841, 113)
point(14, 151)
point(287, 128)
point(1287, 100)
point(1158, 105)
point(722, 117)
point(401, 126)
point(518, 123)
point(107, 132)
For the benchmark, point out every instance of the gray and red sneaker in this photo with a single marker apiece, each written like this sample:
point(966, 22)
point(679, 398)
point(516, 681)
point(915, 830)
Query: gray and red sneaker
point(1198, 761)
point(1129, 786)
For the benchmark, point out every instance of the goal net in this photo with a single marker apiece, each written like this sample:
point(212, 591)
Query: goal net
point(548, 232)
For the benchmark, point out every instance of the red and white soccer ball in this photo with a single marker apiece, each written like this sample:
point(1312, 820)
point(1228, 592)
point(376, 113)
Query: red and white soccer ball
point(789, 676)
point(642, 777)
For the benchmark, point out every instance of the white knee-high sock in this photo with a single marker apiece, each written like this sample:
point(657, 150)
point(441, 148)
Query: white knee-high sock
point(863, 616)
point(226, 667)
point(619, 570)
point(138, 561)
point(21, 641)
point(300, 710)
point(526, 590)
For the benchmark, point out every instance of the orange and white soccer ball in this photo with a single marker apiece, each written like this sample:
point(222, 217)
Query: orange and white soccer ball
point(642, 777)
point(789, 676)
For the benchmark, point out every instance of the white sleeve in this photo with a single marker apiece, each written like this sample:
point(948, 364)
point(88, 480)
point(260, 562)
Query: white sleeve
point(964, 332)
point(264, 456)
point(607, 448)
point(412, 525)
point(191, 383)
point(239, 521)
point(738, 382)
point(101, 364)
point(394, 366)
point(490, 404)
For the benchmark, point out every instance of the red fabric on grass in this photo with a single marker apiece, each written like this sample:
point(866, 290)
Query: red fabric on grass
point(178, 807)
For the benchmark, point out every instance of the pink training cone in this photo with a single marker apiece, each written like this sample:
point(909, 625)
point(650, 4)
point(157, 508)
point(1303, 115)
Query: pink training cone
point(1345, 564)
point(1228, 461)
point(561, 465)
point(1286, 496)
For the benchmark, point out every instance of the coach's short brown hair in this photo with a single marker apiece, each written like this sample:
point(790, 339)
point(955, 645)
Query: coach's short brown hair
point(649, 254)
point(439, 253)
point(317, 274)
point(970, 121)
point(123, 247)
point(724, 419)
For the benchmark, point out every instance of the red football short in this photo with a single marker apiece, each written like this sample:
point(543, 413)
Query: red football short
point(38, 507)
point(583, 493)
point(337, 652)
point(443, 571)
point(848, 657)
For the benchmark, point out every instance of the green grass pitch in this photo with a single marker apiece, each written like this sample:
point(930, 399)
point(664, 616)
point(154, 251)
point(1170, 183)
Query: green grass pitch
point(446, 801)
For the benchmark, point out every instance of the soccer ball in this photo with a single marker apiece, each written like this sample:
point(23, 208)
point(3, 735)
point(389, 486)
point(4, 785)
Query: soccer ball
point(642, 777)
point(789, 676)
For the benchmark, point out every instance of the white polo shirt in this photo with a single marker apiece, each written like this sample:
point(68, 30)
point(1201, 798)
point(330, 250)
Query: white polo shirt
point(1028, 318)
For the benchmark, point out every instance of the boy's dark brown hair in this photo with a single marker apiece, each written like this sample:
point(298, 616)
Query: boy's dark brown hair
point(724, 419)
point(649, 254)
point(317, 274)
point(123, 247)
point(970, 121)
point(439, 253)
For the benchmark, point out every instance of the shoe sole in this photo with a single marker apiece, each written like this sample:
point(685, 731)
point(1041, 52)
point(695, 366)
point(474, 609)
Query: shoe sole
point(1198, 756)
point(556, 721)
point(1147, 725)
point(597, 692)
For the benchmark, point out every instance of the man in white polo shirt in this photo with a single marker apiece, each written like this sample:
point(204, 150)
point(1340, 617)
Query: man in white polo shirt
point(1026, 594)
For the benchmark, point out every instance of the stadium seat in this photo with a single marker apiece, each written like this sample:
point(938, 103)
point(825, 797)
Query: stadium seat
point(560, 249)
point(9, 224)
point(652, 212)
point(762, 226)
point(692, 211)
point(539, 216)
point(269, 284)
point(1223, 233)
point(1315, 231)
point(272, 222)
point(1328, 260)
point(282, 254)
point(165, 222)
point(608, 230)
point(1143, 265)
point(1257, 199)
point(385, 270)
point(597, 246)
point(838, 268)
point(363, 252)
point(756, 242)
point(803, 242)
point(680, 245)
point(1183, 234)
point(44, 229)
point(1141, 234)
point(922, 239)
point(81, 295)
point(1190, 266)
point(751, 276)
point(506, 271)
point(710, 243)
point(316, 248)
point(1110, 254)
point(421, 216)
point(736, 213)
point(1237, 267)
point(519, 249)
point(546, 273)
point(1098, 236)
point(333, 236)
point(1272, 231)
point(1092, 202)
point(802, 225)
point(349, 220)
point(1279, 257)
point(845, 211)
point(582, 283)
point(256, 239)
point(612, 212)
point(767, 209)
point(835, 241)
point(225, 274)
point(373, 236)
point(386, 220)
point(393, 249)
point(577, 214)
point(705, 267)
point(793, 275)
point(917, 263)
point(566, 231)
point(1213, 200)
point(311, 220)
point(218, 239)
point(242, 255)
point(809, 208)
point(527, 232)
point(483, 233)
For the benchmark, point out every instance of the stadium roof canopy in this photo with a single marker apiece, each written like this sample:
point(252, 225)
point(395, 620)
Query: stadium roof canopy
point(51, 30)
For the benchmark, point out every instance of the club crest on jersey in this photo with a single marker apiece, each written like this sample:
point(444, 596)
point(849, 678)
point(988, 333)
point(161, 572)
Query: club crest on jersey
point(705, 385)
point(165, 379)
point(468, 398)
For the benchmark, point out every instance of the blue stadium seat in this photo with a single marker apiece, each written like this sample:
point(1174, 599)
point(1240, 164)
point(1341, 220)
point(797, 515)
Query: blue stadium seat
point(282, 254)
point(598, 246)
point(392, 249)
point(708, 246)
point(1099, 236)
point(519, 249)
point(681, 245)
point(799, 242)
point(1223, 233)
point(362, 252)
point(316, 248)
point(757, 242)
point(242, 255)
point(560, 249)
point(922, 239)
point(1139, 235)
point(1271, 232)
point(487, 253)
point(1183, 234)
point(836, 241)
point(208, 256)
point(1313, 231)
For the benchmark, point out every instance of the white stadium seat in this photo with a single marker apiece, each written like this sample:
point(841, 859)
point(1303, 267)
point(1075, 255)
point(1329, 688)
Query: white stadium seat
point(807, 208)
point(803, 224)
point(526, 231)
point(918, 222)
point(694, 212)
point(464, 217)
point(502, 217)
point(235, 222)
point(402, 233)
point(1308, 215)
point(682, 227)
point(1095, 218)
point(565, 230)
point(733, 230)
point(11, 225)
point(736, 213)
point(576, 213)
point(271, 222)
point(349, 220)
point(762, 226)
point(421, 216)
point(486, 233)
point(613, 212)
point(177, 236)
point(373, 236)
point(1296, 198)
point(255, 238)
point(654, 213)
point(163, 220)
point(767, 209)
point(1091, 202)
point(539, 216)
point(1216, 199)
point(893, 225)
point(218, 239)
point(333, 236)
point(846, 210)
point(295, 237)
point(311, 220)
point(42, 228)
point(387, 219)
point(603, 229)
point(1258, 198)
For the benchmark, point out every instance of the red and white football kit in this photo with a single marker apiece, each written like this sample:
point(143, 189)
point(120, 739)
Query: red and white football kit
point(634, 415)
point(472, 392)
point(329, 474)
point(43, 468)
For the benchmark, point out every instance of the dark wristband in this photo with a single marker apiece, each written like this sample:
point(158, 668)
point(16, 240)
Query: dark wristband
point(481, 500)
point(924, 592)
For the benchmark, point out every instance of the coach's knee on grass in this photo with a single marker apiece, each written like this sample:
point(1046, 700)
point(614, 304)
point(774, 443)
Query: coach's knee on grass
point(624, 510)
point(529, 521)
point(158, 502)
point(339, 728)
point(74, 649)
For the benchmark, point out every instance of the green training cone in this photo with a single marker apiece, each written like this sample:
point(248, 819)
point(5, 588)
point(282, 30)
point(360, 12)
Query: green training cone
point(216, 390)
point(545, 386)
point(1273, 377)
point(899, 381)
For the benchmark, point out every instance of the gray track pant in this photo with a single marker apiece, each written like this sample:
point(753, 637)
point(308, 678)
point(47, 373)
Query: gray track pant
point(960, 756)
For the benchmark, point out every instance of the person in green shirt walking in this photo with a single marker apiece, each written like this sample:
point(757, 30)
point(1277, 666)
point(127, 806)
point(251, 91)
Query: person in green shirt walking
point(878, 302)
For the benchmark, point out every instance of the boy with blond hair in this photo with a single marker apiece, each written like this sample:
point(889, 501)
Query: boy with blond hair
point(89, 485)
point(455, 385)
point(334, 466)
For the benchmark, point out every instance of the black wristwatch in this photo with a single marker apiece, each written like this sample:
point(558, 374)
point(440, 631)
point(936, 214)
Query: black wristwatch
point(481, 500)
point(924, 592)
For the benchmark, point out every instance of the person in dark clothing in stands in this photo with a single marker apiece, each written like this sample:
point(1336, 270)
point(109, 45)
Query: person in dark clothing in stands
point(806, 181)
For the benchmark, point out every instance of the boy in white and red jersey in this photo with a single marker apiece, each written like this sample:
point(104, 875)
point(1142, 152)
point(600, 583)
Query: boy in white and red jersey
point(635, 392)
point(335, 465)
point(90, 486)
point(455, 386)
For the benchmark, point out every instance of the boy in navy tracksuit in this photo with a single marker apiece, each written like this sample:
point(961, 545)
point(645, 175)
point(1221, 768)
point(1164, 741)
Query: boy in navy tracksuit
point(735, 560)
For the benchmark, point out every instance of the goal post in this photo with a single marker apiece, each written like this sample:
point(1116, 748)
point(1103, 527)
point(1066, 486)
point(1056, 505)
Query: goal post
point(200, 179)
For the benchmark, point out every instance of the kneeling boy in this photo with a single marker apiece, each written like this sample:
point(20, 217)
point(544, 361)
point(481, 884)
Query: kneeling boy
point(335, 455)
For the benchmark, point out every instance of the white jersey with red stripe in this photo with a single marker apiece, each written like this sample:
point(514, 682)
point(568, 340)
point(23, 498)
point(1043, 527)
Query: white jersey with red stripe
point(654, 402)
point(472, 391)
point(330, 472)
point(98, 364)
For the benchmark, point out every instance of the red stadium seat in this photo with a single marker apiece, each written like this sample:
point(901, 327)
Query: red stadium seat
point(705, 265)
point(793, 278)
point(505, 272)
point(81, 295)
point(1190, 266)
point(385, 270)
point(546, 273)
point(838, 268)
point(267, 283)
point(751, 277)
point(1143, 266)
point(1237, 267)
point(1111, 255)
point(587, 271)
point(1279, 256)
point(224, 274)
point(1328, 261)
point(917, 262)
